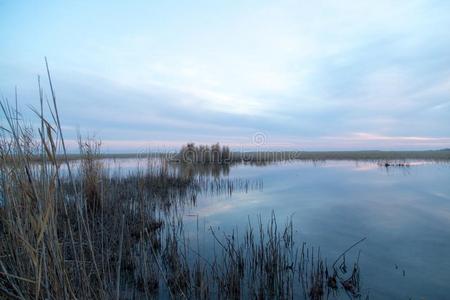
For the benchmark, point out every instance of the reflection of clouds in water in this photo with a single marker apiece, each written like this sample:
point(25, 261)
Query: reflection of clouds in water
point(210, 207)
point(405, 218)
point(442, 214)
point(441, 195)
point(130, 163)
point(428, 206)
point(216, 208)
point(345, 164)
point(371, 165)
point(365, 167)
point(420, 163)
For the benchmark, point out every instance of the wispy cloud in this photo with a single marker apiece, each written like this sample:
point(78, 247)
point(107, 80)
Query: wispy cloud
point(308, 74)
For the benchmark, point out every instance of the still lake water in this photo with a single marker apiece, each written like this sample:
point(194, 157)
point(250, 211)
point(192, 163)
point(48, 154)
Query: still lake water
point(403, 212)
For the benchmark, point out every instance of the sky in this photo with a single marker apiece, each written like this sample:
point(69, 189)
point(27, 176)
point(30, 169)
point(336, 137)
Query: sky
point(305, 75)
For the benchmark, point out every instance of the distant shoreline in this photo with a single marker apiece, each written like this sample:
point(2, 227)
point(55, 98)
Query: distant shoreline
point(370, 155)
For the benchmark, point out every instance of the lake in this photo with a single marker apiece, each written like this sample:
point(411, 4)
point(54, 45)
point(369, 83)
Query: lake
point(403, 212)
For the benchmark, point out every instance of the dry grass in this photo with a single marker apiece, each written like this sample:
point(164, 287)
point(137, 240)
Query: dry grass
point(83, 234)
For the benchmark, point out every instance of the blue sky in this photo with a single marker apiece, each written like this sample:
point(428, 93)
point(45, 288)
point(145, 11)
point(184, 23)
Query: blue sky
point(303, 74)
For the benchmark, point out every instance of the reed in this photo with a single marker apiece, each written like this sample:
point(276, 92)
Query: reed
point(78, 232)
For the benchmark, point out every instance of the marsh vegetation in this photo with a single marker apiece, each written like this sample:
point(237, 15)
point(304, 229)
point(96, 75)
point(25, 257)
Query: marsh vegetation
point(82, 233)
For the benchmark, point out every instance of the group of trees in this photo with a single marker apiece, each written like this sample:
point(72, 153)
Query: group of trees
point(204, 154)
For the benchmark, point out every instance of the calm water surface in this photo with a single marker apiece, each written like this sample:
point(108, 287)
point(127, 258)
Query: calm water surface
point(403, 212)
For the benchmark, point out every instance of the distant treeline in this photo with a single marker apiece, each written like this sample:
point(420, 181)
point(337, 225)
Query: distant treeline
point(216, 154)
point(204, 154)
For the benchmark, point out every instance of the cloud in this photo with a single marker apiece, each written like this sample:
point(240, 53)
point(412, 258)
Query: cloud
point(308, 74)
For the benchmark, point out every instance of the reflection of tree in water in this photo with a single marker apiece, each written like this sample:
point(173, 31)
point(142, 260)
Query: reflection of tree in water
point(202, 170)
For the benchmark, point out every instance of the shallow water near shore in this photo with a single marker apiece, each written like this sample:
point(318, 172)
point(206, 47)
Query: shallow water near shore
point(404, 212)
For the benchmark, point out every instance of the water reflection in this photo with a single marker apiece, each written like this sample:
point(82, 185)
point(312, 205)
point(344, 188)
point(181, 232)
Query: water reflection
point(403, 212)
